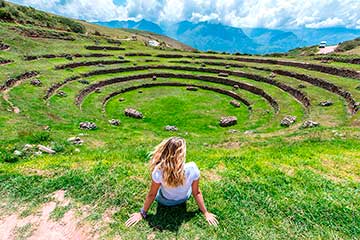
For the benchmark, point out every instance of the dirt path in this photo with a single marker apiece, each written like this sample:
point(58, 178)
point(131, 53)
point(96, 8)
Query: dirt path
point(327, 50)
point(41, 226)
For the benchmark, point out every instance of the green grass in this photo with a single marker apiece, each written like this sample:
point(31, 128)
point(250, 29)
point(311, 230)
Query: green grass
point(277, 183)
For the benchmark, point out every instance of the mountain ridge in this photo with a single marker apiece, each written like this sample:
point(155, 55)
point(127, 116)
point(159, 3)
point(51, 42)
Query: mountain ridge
point(205, 36)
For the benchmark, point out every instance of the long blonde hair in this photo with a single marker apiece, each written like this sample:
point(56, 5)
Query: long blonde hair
point(169, 156)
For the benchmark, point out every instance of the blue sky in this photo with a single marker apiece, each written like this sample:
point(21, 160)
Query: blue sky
point(238, 13)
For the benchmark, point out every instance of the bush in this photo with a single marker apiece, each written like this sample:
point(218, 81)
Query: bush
point(6, 156)
point(34, 137)
point(5, 15)
point(72, 25)
point(2, 4)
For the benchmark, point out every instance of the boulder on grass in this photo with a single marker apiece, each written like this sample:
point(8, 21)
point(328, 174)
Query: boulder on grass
point(35, 82)
point(287, 121)
point(61, 94)
point(310, 124)
point(114, 122)
point(85, 82)
point(228, 121)
point(87, 126)
point(222, 74)
point(326, 103)
point(121, 99)
point(75, 140)
point(190, 88)
point(272, 75)
point(48, 150)
point(236, 86)
point(301, 86)
point(235, 103)
point(98, 90)
point(130, 112)
point(154, 78)
point(171, 128)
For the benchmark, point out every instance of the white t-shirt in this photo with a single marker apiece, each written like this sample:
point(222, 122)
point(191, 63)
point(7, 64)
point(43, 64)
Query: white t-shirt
point(192, 173)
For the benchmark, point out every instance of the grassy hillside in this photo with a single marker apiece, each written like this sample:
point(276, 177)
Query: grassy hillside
point(262, 180)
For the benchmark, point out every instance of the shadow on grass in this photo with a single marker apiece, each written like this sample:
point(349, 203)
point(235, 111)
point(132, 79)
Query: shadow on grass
point(170, 218)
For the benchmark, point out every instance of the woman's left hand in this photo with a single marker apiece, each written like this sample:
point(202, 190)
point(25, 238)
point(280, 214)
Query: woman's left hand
point(134, 219)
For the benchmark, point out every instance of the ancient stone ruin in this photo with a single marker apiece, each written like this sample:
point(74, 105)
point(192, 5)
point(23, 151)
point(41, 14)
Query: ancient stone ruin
point(87, 126)
point(288, 121)
point(133, 113)
point(228, 121)
point(171, 128)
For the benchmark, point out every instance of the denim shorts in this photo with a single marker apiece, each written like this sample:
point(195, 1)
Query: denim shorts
point(168, 202)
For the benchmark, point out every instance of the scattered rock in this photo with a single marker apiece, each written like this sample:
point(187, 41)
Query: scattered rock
point(326, 103)
point(46, 128)
point(203, 65)
point(236, 86)
point(121, 57)
point(227, 66)
point(287, 121)
point(228, 121)
point(28, 147)
point(61, 94)
point(87, 125)
point(75, 140)
point(69, 57)
point(171, 128)
point(17, 153)
point(98, 90)
point(301, 86)
point(310, 124)
point(85, 82)
point(357, 106)
point(190, 88)
point(37, 153)
point(48, 150)
point(140, 91)
point(249, 132)
point(114, 122)
point(272, 75)
point(233, 131)
point(77, 150)
point(154, 78)
point(121, 99)
point(235, 103)
point(223, 74)
point(130, 112)
point(35, 82)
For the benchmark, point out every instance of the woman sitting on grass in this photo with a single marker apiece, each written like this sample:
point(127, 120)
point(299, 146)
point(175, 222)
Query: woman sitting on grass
point(173, 180)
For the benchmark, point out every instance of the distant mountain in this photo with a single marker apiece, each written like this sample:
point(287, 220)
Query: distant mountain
point(143, 25)
point(207, 36)
point(216, 37)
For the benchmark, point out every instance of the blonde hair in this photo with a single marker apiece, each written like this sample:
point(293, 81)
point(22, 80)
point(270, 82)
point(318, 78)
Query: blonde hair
point(169, 156)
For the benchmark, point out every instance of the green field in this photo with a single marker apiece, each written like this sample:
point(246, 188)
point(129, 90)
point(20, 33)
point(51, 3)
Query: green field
point(262, 180)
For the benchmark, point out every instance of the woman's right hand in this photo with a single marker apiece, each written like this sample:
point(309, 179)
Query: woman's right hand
point(211, 219)
point(134, 219)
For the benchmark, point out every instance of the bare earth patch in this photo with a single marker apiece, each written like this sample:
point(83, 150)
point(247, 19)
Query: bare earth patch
point(40, 225)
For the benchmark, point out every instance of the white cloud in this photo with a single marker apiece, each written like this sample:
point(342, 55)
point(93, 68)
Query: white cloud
point(330, 22)
point(238, 13)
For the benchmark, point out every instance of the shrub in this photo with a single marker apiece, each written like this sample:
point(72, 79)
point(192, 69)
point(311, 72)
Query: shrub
point(34, 137)
point(6, 156)
point(5, 15)
point(72, 25)
point(2, 4)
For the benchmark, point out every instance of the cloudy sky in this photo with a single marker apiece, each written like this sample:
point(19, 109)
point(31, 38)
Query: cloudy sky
point(237, 13)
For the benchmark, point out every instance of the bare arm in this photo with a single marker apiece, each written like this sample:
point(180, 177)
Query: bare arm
point(211, 218)
point(151, 195)
point(136, 217)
